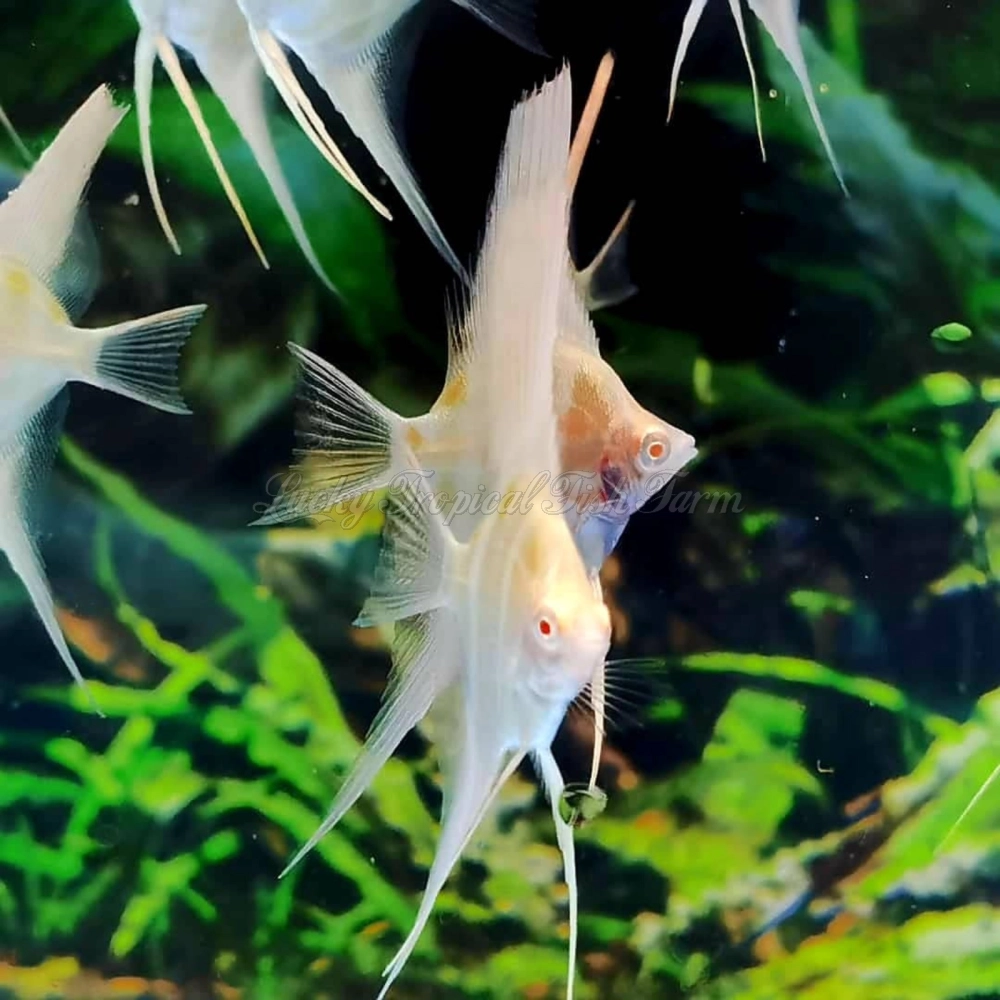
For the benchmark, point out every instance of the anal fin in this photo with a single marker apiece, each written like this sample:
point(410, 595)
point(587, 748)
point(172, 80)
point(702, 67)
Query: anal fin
point(25, 462)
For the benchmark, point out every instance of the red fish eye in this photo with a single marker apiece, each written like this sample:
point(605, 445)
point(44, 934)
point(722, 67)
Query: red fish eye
point(656, 450)
point(545, 627)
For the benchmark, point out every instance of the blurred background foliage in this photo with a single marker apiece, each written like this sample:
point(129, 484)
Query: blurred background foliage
point(800, 797)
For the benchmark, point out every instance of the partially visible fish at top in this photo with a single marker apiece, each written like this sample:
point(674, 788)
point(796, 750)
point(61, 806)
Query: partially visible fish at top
point(215, 34)
point(780, 19)
point(349, 46)
point(614, 451)
point(503, 632)
point(42, 293)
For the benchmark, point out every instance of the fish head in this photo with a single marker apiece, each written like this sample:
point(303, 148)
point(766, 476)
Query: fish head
point(561, 631)
point(655, 452)
point(621, 451)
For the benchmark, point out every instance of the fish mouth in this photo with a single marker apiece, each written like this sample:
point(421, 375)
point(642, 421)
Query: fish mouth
point(614, 484)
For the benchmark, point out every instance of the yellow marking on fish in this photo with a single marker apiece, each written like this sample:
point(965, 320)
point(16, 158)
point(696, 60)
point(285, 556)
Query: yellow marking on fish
point(534, 552)
point(20, 283)
point(455, 391)
point(414, 438)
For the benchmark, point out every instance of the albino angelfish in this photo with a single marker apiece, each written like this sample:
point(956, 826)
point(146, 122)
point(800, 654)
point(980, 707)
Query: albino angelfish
point(780, 19)
point(502, 632)
point(41, 296)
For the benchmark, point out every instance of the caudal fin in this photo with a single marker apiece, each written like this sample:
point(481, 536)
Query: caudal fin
point(606, 281)
point(695, 9)
point(349, 443)
point(139, 358)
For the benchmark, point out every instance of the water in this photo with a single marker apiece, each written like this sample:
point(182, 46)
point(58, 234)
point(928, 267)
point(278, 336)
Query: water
point(798, 780)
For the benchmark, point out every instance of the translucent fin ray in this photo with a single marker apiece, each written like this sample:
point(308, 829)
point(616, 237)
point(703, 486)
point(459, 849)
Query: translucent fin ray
point(415, 561)
point(515, 19)
point(353, 443)
point(139, 358)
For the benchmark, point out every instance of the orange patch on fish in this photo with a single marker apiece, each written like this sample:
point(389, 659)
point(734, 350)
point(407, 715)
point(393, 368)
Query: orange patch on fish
point(414, 438)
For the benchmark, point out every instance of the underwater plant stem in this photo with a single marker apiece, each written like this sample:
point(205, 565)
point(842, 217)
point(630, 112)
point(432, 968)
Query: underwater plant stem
point(795, 670)
point(845, 35)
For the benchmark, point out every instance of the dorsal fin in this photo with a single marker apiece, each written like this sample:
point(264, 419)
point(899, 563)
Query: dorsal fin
point(37, 219)
point(513, 317)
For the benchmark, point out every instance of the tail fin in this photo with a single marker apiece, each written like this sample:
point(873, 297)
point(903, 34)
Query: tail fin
point(606, 281)
point(350, 442)
point(24, 464)
point(139, 358)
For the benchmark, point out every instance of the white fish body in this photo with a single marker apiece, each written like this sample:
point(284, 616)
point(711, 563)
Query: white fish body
point(348, 46)
point(40, 347)
point(507, 628)
point(780, 19)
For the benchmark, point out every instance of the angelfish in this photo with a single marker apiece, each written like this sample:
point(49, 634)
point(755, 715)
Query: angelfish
point(504, 631)
point(348, 46)
point(781, 21)
point(41, 296)
point(216, 36)
point(612, 450)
